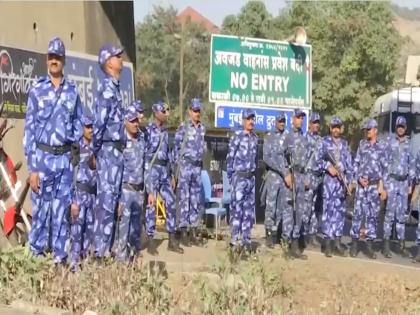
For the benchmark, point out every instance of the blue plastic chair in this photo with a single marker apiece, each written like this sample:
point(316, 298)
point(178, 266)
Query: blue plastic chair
point(213, 206)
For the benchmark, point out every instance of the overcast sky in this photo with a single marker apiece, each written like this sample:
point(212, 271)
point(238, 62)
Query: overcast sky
point(216, 10)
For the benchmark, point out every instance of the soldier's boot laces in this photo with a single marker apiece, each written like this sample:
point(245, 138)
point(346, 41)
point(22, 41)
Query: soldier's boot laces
point(185, 240)
point(327, 247)
point(353, 249)
point(194, 237)
point(151, 246)
point(403, 249)
point(386, 251)
point(173, 245)
point(338, 248)
point(417, 258)
point(269, 239)
point(369, 250)
point(295, 251)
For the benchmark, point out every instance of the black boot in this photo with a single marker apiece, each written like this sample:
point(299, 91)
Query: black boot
point(185, 240)
point(194, 237)
point(294, 250)
point(327, 247)
point(151, 247)
point(369, 250)
point(386, 251)
point(354, 249)
point(269, 239)
point(173, 245)
point(417, 258)
point(403, 249)
point(310, 240)
point(338, 248)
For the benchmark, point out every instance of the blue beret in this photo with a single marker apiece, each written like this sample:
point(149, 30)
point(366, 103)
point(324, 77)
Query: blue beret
point(371, 123)
point(314, 117)
point(281, 116)
point(138, 105)
point(56, 47)
point(248, 112)
point(401, 121)
point(131, 113)
point(335, 121)
point(158, 106)
point(299, 113)
point(195, 104)
point(107, 51)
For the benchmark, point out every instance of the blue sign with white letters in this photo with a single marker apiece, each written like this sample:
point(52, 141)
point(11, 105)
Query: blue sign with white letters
point(227, 116)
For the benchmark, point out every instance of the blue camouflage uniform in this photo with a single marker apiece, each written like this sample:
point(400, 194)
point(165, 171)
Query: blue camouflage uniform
point(274, 182)
point(53, 122)
point(188, 152)
point(128, 229)
point(158, 173)
point(415, 168)
point(85, 194)
point(371, 162)
point(313, 195)
point(334, 191)
point(241, 166)
point(295, 155)
point(400, 179)
point(108, 145)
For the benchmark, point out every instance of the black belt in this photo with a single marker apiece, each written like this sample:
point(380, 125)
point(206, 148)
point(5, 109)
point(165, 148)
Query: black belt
point(161, 162)
point(298, 169)
point(316, 173)
point(193, 162)
point(116, 145)
point(374, 182)
point(86, 188)
point(55, 150)
point(133, 187)
point(268, 168)
point(244, 174)
point(399, 178)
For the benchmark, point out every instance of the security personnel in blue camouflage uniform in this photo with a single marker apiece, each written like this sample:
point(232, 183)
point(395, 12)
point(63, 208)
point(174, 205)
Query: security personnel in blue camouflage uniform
point(108, 146)
point(274, 183)
point(371, 176)
point(295, 155)
point(399, 186)
point(158, 177)
point(52, 125)
point(84, 197)
point(130, 208)
point(313, 195)
point(188, 152)
point(335, 160)
point(415, 170)
point(241, 166)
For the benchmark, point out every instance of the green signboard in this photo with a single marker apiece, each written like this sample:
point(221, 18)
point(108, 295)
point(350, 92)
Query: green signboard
point(258, 72)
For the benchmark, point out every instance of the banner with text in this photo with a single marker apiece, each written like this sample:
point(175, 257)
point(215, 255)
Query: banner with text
point(260, 72)
point(19, 69)
point(230, 116)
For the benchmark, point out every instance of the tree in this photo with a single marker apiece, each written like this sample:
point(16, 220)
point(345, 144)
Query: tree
point(355, 50)
point(158, 60)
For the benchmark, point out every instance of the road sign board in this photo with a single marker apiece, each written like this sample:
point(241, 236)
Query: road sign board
point(260, 72)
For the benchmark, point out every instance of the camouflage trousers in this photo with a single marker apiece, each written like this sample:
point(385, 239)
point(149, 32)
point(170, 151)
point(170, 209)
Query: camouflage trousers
point(109, 169)
point(396, 208)
point(275, 190)
point(313, 200)
point(367, 204)
point(188, 195)
point(334, 208)
point(294, 211)
point(82, 227)
point(242, 209)
point(50, 215)
point(128, 229)
point(160, 181)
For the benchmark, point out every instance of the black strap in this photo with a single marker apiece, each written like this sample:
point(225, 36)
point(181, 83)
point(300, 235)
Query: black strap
point(90, 189)
point(133, 187)
point(55, 150)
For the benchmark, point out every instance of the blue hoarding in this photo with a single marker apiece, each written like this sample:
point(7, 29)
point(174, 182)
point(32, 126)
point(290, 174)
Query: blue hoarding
point(227, 116)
